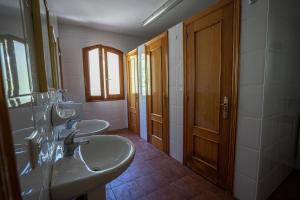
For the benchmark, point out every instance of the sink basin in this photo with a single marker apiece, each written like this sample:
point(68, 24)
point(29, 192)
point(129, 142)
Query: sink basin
point(92, 127)
point(106, 157)
point(91, 167)
point(87, 128)
point(59, 113)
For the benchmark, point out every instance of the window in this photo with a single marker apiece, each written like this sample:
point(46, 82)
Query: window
point(103, 73)
point(17, 75)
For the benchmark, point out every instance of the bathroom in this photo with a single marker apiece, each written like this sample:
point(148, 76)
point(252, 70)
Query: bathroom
point(157, 99)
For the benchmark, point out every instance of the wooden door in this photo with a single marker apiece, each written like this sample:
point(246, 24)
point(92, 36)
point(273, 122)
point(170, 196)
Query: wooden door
point(210, 96)
point(133, 91)
point(157, 92)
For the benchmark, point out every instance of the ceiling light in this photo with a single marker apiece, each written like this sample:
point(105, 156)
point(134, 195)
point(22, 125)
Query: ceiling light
point(160, 11)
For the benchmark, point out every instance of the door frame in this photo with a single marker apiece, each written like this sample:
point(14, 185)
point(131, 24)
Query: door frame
point(9, 181)
point(166, 97)
point(130, 53)
point(235, 82)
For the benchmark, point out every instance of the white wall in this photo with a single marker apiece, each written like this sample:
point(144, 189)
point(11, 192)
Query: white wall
point(281, 106)
point(175, 36)
point(252, 65)
point(72, 39)
point(142, 91)
point(269, 97)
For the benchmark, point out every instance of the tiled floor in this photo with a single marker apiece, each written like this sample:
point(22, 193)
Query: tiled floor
point(289, 189)
point(155, 176)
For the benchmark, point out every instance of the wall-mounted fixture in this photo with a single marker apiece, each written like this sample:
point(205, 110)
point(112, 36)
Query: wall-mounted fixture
point(252, 1)
point(33, 147)
point(160, 11)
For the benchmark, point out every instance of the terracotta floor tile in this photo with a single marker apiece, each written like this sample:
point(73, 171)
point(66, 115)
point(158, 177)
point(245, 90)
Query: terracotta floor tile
point(289, 188)
point(148, 154)
point(116, 182)
point(167, 193)
point(158, 162)
point(110, 195)
point(153, 175)
point(153, 182)
point(189, 186)
point(207, 195)
point(132, 174)
point(170, 174)
point(129, 191)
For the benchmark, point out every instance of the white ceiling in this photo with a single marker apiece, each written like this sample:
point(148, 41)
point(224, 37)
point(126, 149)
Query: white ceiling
point(123, 16)
point(10, 8)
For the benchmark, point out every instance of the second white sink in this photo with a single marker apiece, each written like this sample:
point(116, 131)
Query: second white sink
point(91, 127)
point(87, 128)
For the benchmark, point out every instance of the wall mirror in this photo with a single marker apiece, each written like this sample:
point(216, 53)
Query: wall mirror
point(17, 56)
point(25, 58)
point(45, 45)
point(54, 59)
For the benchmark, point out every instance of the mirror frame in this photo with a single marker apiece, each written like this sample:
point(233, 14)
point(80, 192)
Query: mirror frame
point(38, 44)
point(54, 59)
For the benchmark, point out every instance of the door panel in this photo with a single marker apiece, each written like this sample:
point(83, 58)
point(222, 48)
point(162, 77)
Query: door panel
point(132, 91)
point(156, 81)
point(207, 83)
point(208, 78)
point(157, 92)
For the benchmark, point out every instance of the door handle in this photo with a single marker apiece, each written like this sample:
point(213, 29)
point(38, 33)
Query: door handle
point(225, 106)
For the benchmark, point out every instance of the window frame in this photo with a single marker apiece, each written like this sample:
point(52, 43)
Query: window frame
point(104, 82)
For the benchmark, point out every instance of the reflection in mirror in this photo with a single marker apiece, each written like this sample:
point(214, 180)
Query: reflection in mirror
point(54, 59)
point(16, 44)
point(45, 35)
point(15, 68)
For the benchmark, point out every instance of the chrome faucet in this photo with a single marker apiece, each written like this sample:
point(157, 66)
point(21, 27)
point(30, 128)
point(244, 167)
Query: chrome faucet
point(70, 145)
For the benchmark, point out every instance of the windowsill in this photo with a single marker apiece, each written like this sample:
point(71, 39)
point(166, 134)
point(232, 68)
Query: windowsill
point(104, 100)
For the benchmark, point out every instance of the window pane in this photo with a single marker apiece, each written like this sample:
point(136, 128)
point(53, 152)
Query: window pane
point(23, 80)
point(94, 72)
point(113, 73)
point(3, 64)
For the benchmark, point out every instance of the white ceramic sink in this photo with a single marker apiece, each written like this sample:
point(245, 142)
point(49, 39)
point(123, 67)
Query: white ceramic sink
point(91, 167)
point(92, 127)
point(60, 113)
point(87, 128)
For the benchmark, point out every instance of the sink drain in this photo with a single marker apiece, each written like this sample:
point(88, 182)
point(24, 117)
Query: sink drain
point(96, 169)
